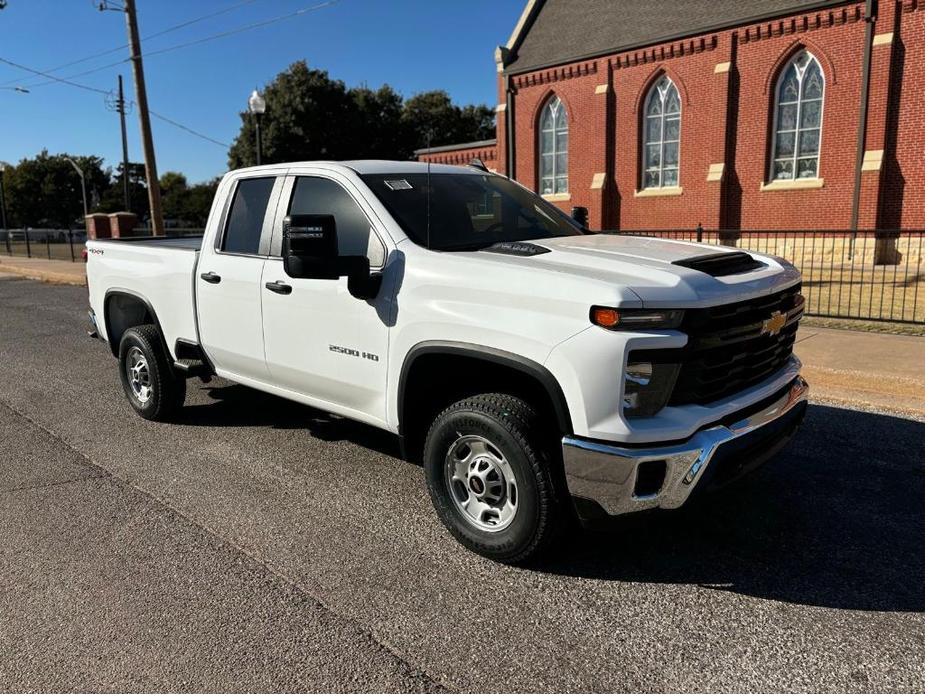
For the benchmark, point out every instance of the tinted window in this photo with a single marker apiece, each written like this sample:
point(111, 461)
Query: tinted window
point(354, 232)
point(459, 212)
point(245, 222)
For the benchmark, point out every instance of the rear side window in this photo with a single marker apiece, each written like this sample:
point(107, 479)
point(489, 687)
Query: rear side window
point(355, 235)
point(245, 221)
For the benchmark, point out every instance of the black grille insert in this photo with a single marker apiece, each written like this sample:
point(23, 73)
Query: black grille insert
point(732, 347)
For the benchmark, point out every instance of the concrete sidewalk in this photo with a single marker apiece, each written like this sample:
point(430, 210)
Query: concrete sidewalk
point(846, 367)
point(52, 271)
point(872, 370)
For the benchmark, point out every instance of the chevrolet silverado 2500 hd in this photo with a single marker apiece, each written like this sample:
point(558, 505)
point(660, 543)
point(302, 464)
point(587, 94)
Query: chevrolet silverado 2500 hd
point(539, 370)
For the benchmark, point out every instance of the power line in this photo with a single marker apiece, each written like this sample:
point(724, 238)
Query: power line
point(53, 78)
point(175, 27)
point(188, 129)
point(88, 88)
point(213, 37)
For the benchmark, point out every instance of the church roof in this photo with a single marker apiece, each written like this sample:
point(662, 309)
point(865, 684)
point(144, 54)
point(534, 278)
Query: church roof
point(553, 32)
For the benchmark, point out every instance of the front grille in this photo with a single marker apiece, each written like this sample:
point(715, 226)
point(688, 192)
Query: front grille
point(729, 348)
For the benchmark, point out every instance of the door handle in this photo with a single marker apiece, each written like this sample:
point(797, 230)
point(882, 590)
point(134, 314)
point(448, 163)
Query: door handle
point(279, 287)
point(211, 277)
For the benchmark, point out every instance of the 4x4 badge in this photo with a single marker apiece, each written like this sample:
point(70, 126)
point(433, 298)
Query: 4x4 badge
point(774, 324)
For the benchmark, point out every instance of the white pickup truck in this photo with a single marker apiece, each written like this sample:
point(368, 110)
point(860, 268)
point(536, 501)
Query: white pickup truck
point(541, 372)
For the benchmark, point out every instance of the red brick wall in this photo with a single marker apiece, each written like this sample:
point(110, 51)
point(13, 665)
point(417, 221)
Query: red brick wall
point(463, 156)
point(726, 120)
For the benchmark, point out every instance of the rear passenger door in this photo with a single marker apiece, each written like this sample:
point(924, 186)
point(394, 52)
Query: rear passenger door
point(228, 288)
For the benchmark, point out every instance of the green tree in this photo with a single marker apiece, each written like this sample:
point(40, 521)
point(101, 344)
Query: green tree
point(310, 116)
point(198, 203)
point(114, 198)
point(45, 191)
point(174, 194)
point(433, 115)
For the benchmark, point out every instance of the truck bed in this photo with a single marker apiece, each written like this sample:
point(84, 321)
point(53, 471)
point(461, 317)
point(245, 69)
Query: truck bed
point(158, 270)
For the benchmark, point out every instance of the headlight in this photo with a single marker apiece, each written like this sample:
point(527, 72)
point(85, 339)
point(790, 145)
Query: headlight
point(647, 387)
point(636, 319)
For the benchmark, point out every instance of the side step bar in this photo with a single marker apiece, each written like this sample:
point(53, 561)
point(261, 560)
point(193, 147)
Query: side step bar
point(192, 361)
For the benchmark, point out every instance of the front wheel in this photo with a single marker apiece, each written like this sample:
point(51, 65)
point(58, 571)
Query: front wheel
point(153, 389)
point(490, 479)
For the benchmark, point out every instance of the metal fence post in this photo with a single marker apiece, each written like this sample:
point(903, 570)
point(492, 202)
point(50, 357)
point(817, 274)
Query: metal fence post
point(699, 232)
point(48, 247)
point(25, 232)
point(70, 241)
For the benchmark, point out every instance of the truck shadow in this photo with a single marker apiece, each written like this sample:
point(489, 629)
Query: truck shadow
point(836, 520)
point(235, 405)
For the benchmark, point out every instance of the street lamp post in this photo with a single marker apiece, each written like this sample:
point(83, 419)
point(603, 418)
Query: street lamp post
point(9, 247)
point(83, 185)
point(257, 105)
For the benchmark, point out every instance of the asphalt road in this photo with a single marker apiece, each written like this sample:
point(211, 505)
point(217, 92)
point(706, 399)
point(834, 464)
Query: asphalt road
point(258, 545)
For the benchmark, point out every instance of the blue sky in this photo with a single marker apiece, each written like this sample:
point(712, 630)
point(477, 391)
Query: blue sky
point(414, 45)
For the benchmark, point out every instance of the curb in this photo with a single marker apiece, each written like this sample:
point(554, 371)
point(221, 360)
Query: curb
point(48, 276)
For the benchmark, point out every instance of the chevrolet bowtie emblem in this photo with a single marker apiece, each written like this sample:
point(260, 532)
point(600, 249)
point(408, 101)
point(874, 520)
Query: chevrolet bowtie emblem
point(774, 324)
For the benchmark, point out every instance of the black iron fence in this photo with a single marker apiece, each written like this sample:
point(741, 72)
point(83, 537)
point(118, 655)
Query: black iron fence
point(865, 275)
point(58, 244)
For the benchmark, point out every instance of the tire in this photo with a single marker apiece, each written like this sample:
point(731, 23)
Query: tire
point(154, 391)
point(472, 444)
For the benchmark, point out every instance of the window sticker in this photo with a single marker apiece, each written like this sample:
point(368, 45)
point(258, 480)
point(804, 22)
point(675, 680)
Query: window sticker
point(398, 184)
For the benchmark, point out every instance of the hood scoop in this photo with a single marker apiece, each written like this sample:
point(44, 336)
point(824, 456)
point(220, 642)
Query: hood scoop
point(519, 248)
point(721, 264)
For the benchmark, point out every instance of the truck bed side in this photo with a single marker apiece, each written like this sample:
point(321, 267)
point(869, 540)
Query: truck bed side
point(158, 272)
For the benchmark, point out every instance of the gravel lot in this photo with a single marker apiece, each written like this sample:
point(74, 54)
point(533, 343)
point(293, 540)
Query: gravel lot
point(258, 545)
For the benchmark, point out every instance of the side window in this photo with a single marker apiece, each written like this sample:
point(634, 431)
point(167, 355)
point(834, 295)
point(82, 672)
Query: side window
point(355, 235)
point(245, 220)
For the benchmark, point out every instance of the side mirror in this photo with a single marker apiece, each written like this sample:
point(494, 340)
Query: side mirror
point(310, 251)
point(580, 215)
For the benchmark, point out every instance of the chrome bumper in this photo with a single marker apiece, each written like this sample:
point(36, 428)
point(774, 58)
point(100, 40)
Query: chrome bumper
point(610, 475)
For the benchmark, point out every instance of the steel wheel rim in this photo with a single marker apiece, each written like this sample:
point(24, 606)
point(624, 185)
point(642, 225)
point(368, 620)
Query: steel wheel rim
point(481, 483)
point(139, 377)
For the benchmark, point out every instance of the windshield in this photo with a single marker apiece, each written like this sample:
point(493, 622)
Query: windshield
point(468, 211)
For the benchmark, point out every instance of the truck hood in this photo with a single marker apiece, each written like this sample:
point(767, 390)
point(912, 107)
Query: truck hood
point(645, 265)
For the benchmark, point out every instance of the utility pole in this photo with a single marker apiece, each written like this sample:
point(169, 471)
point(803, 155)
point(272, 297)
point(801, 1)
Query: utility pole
point(120, 107)
point(147, 141)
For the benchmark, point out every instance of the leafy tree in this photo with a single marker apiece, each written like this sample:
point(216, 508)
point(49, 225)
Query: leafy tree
point(45, 191)
point(310, 116)
point(434, 116)
point(114, 199)
point(185, 205)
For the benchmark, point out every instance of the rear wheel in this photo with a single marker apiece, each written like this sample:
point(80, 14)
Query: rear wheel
point(153, 389)
point(490, 478)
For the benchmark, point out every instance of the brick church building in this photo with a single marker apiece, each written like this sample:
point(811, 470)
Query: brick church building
point(733, 114)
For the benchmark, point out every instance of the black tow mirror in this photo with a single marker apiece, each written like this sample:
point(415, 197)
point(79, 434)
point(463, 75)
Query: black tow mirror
point(580, 215)
point(310, 251)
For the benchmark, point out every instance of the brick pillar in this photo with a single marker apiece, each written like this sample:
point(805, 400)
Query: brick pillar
point(877, 140)
point(501, 115)
point(122, 224)
point(602, 178)
point(722, 138)
point(98, 226)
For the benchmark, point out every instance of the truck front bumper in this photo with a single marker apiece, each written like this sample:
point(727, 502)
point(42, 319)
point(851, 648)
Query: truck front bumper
point(621, 479)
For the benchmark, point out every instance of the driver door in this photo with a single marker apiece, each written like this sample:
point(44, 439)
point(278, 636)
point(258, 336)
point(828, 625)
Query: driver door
point(320, 341)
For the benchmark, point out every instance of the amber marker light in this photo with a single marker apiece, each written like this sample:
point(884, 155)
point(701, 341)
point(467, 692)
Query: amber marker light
point(605, 317)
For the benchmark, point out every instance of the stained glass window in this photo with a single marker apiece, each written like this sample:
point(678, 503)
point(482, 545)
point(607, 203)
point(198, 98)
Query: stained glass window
point(553, 147)
point(662, 135)
point(798, 119)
